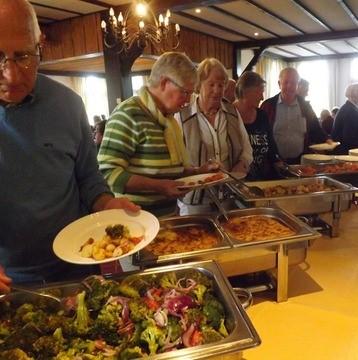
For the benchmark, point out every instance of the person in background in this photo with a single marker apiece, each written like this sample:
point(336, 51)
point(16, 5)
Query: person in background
point(98, 133)
point(303, 88)
point(345, 127)
point(96, 119)
point(334, 111)
point(229, 93)
point(326, 121)
point(142, 151)
point(249, 92)
point(49, 173)
point(213, 130)
point(295, 125)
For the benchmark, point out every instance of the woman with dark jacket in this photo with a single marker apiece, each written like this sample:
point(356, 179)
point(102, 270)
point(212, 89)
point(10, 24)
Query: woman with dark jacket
point(249, 92)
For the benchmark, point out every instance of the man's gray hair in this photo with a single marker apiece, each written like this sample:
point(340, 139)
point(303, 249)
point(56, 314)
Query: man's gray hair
point(352, 92)
point(173, 65)
point(205, 67)
point(289, 70)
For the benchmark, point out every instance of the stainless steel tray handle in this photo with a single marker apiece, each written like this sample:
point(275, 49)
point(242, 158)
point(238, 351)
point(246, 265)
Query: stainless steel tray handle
point(244, 296)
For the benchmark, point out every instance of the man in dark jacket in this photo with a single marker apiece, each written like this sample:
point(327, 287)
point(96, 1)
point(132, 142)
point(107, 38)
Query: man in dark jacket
point(294, 123)
point(345, 128)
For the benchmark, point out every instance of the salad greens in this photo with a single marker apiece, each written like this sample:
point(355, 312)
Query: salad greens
point(129, 319)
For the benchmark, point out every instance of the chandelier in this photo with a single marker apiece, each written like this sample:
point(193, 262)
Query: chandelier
point(138, 26)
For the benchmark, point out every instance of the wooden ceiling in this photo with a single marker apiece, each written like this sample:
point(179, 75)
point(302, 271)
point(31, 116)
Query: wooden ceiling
point(292, 29)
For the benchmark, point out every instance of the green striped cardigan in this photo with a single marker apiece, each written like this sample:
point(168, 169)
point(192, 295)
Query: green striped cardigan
point(133, 143)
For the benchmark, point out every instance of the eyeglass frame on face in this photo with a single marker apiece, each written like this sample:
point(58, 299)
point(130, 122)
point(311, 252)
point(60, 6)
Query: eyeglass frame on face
point(182, 89)
point(17, 59)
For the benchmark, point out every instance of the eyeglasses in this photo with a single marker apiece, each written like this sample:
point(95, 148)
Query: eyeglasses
point(184, 91)
point(24, 60)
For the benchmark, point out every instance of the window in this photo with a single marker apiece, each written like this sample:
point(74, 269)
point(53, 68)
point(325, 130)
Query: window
point(317, 74)
point(354, 69)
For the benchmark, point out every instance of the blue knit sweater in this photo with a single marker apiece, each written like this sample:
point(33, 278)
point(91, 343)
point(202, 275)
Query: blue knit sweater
point(48, 175)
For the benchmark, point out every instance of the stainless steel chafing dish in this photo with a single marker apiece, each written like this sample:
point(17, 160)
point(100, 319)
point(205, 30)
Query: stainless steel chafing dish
point(301, 230)
point(337, 200)
point(242, 334)
point(238, 259)
point(321, 169)
point(342, 176)
point(144, 257)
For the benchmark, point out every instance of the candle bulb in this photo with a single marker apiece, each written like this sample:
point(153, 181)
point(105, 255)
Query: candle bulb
point(168, 14)
point(177, 28)
point(120, 18)
point(166, 21)
point(141, 25)
point(103, 25)
point(161, 19)
point(111, 12)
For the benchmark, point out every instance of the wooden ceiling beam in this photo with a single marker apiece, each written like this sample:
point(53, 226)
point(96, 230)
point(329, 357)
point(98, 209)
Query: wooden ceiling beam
point(334, 35)
point(180, 5)
point(56, 8)
point(276, 16)
point(308, 12)
point(323, 57)
point(212, 24)
point(96, 2)
point(307, 49)
point(236, 17)
point(349, 11)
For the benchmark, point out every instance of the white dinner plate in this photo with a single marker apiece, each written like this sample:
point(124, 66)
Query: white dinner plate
point(346, 157)
point(324, 146)
point(69, 240)
point(316, 158)
point(198, 181)
point(353, 152)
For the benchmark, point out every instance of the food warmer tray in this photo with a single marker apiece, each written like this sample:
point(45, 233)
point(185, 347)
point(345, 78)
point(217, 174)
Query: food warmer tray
point(242, 334)
point(302, 231)
point(224, 250)
point(300, 204)
point(296, 170)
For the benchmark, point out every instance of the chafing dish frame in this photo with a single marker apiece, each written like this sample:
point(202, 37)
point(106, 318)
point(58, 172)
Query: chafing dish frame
point(280, 247)
point(334, 201)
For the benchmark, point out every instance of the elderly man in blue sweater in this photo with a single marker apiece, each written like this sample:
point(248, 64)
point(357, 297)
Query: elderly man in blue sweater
point(48, 170)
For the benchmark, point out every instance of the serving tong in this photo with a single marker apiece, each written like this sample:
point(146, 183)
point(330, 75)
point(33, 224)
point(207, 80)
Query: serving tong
point(19, 293)
point(254, 190)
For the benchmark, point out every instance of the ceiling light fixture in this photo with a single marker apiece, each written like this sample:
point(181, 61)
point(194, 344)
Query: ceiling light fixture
point(138, 26)
point(256, 34)
point(198, 11)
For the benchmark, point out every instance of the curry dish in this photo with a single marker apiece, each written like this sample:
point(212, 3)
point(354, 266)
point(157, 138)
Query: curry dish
point(257, 227)
point(180, 240)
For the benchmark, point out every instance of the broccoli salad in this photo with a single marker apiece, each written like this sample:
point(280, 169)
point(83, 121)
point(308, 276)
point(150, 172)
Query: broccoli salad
point(126, 319)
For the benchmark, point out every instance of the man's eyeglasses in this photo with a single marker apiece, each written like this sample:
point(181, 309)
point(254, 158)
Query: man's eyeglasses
point(23, 60)
point(184, 91)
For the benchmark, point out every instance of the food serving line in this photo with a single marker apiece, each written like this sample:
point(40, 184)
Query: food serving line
point(241, 257)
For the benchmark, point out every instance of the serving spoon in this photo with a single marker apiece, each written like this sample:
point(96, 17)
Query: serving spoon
point(19, 293)
point(255, 190)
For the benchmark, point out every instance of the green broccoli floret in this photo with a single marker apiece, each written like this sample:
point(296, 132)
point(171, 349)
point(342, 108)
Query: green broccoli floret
point(199, 278)
point(99, 291)
point(195, 315)
point(199, 292)
point(49, 346)
point(4, 329)
point(168, 280)
point(210, 335)
point(22, 338)
point(131, 353)
point(174, 328)
point(81, 323)
point(107, 322)
point(154, 337)
point(22, 311)
point(138, 309)
point(14, 354)
point(214, 311)
point(222, 328)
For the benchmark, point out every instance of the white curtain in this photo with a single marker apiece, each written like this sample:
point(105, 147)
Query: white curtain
point(269, 69)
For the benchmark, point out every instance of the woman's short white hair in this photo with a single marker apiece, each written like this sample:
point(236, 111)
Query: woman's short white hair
point(352, 92)
point(173, 65)
point(205, 68)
